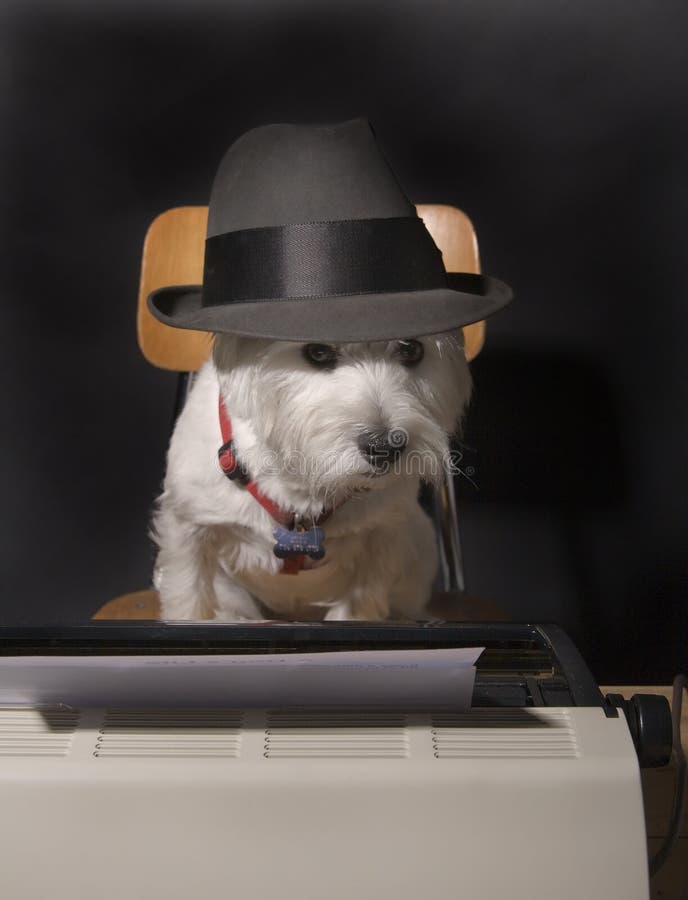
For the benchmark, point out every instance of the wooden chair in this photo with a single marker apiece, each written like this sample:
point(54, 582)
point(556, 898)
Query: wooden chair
point(173, 254)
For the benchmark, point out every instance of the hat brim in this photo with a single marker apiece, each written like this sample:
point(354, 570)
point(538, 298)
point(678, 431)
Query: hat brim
point(339, 319)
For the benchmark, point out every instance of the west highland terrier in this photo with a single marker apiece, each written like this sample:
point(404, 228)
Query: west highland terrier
point(338, 436)
point(294, 468)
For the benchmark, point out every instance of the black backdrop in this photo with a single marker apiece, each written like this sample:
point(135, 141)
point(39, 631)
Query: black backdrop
point(559, 127)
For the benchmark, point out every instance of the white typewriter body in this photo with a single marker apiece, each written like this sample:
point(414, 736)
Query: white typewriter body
point(170, 804)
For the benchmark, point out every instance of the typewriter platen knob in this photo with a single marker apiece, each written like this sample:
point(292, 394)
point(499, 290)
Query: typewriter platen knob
point(649, 721)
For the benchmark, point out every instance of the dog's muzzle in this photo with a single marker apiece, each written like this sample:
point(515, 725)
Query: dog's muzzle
point(382, 449)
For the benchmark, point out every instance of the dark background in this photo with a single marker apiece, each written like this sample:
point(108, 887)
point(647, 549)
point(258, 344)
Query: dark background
point(559, 127)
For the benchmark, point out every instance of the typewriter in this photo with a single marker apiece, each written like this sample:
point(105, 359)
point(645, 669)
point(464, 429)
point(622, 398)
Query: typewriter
point(116, 788)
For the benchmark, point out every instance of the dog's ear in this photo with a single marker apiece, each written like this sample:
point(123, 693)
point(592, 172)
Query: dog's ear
point(225, 351)
point(452, 340)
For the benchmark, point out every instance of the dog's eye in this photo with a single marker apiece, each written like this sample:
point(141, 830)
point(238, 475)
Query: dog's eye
point(324, 356)
point(410, 352)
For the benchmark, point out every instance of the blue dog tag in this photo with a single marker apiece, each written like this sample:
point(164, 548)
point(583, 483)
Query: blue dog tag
point(299, 543)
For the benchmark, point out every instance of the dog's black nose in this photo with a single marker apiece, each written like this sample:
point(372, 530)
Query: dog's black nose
point(382, 447)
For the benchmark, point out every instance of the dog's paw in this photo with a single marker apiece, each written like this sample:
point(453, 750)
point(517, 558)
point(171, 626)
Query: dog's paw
point(362, 607)
point(339, 612)
point(236, 617)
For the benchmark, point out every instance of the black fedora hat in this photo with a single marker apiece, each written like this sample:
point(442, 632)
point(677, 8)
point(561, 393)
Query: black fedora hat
point(310, 237)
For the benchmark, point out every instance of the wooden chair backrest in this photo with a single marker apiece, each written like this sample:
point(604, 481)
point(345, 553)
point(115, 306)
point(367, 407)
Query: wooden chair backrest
point(173, 255)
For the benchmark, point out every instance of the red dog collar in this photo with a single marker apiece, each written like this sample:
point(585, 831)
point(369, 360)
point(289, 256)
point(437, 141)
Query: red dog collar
point(234, 470)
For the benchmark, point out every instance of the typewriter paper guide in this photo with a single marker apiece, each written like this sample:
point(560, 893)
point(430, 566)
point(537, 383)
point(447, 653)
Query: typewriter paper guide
point(438, 678)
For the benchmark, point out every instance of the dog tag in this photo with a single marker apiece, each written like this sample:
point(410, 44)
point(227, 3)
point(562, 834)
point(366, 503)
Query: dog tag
point(302, 542)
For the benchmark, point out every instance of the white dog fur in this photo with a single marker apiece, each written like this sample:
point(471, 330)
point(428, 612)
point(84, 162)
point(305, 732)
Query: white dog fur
point(296, 429)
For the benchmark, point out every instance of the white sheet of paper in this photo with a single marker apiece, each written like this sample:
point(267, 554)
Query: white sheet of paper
point(442, 677)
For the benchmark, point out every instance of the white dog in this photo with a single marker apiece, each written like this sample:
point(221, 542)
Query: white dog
point(339, 435)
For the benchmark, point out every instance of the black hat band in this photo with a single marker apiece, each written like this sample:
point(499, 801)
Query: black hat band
point(321, 259)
